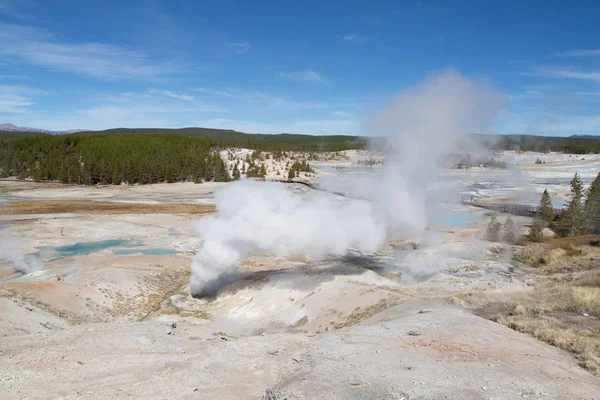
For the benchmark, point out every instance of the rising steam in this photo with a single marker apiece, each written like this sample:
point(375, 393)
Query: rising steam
point(258, 217)
point(421, 126)
point(10, 251)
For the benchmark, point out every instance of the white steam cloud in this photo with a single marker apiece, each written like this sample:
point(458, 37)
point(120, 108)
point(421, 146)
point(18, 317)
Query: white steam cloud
point(10, 251)
point(422, 125)
point(256, 217)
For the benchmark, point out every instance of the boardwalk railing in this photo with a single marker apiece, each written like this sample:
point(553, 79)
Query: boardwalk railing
point(525, 210)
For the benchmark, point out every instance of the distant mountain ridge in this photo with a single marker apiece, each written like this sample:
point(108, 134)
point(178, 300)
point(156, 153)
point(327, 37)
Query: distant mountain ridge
point(585, 136)
point(8, 127)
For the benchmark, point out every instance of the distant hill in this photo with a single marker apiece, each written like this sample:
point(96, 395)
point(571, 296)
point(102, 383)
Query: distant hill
point(585, 136)
point(231, 138)
point(569, 145)
point(576, 144)
point(14, 128)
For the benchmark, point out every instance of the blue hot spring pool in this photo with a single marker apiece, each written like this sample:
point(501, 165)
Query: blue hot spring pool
point(462, 218)
point(81, 248)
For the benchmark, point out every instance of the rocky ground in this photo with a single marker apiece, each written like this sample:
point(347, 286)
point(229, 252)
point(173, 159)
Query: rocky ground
point(117, 321)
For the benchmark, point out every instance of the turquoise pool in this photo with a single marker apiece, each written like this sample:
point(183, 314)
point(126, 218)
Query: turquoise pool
point(82, 248)
point(462, 218)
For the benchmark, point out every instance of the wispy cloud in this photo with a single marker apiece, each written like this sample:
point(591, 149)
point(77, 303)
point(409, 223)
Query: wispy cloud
point(353, 37)
point(219, 92)
point(528, 94)
point(13, 77)
point(342, 114)
point(17, 99)
point(568, 124)
point(146, 109)
point(305, 76)
point(579, 53)
point(172, 95)
point(566, 73)
point(38, 47)
point(241, 47)
point(588, 94)
point(159, 101)
point(253, 98)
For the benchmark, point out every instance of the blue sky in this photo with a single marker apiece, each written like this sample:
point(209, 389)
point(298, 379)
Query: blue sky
point(290, 66)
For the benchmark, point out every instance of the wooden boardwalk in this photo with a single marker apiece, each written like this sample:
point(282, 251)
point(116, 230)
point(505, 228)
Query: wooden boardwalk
point(524, 210)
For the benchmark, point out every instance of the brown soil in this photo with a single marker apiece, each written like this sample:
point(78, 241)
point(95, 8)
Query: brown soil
point(98, 207)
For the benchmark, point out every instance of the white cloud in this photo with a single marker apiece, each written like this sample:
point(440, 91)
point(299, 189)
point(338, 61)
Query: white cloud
point(342, 114)
point(528, 94)
point(353, 37)
point(130, 110)
point(305, 76)
point(218, 92)
point(566, 73)
point(241, 47)
point(579, 53)
point(99, 60)
point(173, 95)
point(569, 125)
point(13, 77)
point(253, 98)
point(17, 99)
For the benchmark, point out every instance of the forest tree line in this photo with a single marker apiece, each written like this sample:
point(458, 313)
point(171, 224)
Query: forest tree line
point(257, 141)
point(579, 216)
point(289, 142)
point(112, 159)
point(542, 144)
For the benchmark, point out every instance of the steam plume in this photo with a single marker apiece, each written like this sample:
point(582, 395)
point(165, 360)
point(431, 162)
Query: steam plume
point(10, 250)
point(421, 125)
point(257, 217)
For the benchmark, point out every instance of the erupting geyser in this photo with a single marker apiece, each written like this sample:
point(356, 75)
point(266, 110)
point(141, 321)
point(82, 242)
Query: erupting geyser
point(423, 124)
point(255, 217)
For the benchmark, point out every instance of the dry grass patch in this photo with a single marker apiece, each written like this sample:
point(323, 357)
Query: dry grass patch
point(98, 207)
point(581, 341)
point(575, 241)
point(589, 278)
point(562, 255)
point(560, 314)
point(563, 308)
point(360, 314)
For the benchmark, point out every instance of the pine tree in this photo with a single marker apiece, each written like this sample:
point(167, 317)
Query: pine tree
point(592, 206)
point(493, 230)
point(536, 233)
point(572, 220)
point(235, 173)
point(545, 211)
point(509, 233)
